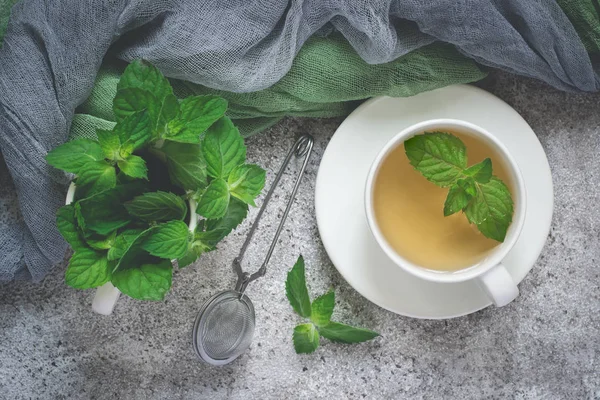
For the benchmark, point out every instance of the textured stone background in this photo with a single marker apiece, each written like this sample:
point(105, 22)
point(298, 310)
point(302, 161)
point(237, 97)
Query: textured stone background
point(545, 345)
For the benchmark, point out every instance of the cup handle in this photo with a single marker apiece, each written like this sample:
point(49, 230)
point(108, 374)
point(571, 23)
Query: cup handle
point(105, 299)
point(498, 285)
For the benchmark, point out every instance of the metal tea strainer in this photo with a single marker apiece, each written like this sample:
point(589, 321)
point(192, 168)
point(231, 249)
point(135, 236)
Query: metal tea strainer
point(224, 326)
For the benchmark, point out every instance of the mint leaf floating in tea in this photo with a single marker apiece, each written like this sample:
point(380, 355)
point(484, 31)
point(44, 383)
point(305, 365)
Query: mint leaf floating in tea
point(457, 200)
point(440, 157)
point(491, 209)
point(459, 195)
point(130, 213)
point(468, 185)
point(306, 336)
point(481, 172)
point(484, 198)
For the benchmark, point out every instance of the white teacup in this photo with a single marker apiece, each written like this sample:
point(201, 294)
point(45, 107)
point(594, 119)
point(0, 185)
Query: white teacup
point(491, 275)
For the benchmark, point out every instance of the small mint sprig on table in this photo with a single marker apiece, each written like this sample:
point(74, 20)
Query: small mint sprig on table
point(306, 336)
point(127, 220)
point(486, 201)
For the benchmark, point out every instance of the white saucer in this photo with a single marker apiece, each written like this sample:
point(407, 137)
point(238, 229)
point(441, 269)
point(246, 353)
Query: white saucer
point(340, 205)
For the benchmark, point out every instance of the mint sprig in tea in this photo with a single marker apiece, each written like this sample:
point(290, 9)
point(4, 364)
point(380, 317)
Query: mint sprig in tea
point(442, 200)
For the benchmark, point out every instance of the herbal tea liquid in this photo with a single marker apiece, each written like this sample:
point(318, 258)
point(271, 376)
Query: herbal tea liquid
point(409, 212)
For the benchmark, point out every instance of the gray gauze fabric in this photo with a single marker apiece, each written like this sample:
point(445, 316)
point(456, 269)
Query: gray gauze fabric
point(53, 50)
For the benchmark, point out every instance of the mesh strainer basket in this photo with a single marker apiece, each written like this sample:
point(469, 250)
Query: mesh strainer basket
point(224, 327)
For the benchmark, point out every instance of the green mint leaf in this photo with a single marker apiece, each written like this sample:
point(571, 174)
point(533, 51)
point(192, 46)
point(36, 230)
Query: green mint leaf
point(130, 101)
point(438, 156)
point(169, 240)
point(468, 185)
point(110, 144)
point(122, 243)
point(176, 132)
point(87, 269)
point(197, 114)
point(73, 155)
point(134, 131)
point(186, 165)
point(305, 338)
point(456, 200)
point(146, 282)
point(246, 182)
point(67, 226)
point(223, 148)
point(197, 249)
point(135, 255)
point(188, 258)
point(97, 176)
point(168, 111)
point(134, 166)
point(157, 206)
point(143, 75)
point(200, 112)
point(214, 200)
point(210, 238)
point(491, 209)
point(322, 308)
point(296, 290)
point(219, 228)
point(130, 189)
point(481, 172)
point(102, 213)
point(337, 332)
point(133, 100)
point(485, 199)
point(479, 208)
point(101, 242)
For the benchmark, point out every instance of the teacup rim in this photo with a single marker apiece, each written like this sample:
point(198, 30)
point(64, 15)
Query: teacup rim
point(499, 252)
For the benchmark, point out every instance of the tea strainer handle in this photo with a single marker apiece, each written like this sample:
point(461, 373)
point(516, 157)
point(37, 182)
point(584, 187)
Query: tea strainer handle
point(302, 147)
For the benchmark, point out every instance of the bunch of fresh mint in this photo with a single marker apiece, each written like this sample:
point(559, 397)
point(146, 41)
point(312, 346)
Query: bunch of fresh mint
point(134, 184)
point(484, 198)
point(306, 336)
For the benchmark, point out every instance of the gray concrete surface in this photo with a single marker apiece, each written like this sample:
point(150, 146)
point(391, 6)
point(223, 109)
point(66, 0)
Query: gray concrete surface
point(545, 345)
